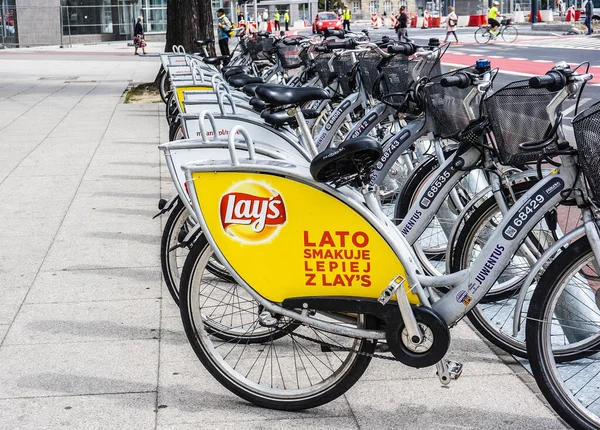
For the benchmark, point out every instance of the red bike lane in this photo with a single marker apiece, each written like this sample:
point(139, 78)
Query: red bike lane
point(515, 66)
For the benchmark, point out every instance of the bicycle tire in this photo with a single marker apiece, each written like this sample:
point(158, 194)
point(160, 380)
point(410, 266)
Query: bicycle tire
point(542, 363)
point(482, 35)
point(168, 239)
point(175, 131)
point(509, 34)
point(492, 329)
point(164, 86)
point(461, 251)
point(273, 398)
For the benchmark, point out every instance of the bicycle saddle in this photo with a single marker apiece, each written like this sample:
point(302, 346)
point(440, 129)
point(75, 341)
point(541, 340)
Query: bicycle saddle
point(352, 158)
point(250, 89)
point(257, 104)
point(203, 42)
point(216, 60)
point(238, 81)
point(229, 71)
point(280, 95)
point(281, 118)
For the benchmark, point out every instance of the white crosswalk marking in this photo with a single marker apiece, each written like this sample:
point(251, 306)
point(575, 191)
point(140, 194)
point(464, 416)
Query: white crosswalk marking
point(568, 42)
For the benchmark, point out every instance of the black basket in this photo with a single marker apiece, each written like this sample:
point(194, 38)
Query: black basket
point(368, 64)
point(395, 77)
point(587, 136)
point(289, 56)
point(321, 68)
point(444, 109)
point(260, 49)
point(517, 114)
point(345, 72)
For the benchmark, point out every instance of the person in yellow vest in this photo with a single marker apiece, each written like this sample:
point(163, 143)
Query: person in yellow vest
point(286, 19)
point(276, 19)
point(347, 17)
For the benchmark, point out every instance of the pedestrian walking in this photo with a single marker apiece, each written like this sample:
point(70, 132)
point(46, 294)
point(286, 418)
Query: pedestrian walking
point(225, 31)
point(286, 20)
point(451, 21)
point(347, 17)
point(402, 24)
point(276, 19)
point(138, 37)
point(589, 12)
point(561, 8)
point(265, 15)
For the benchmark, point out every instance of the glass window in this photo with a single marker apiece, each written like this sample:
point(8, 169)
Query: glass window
point(87, 16)
point(355, 6)
point(8, 22)
point(374, 6)
point(387, 6)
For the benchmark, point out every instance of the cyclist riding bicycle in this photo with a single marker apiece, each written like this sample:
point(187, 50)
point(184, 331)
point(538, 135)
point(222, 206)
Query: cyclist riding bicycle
point(492, 15)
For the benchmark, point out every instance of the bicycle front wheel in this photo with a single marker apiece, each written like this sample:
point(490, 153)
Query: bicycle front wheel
point(509, 34)
point(482, 35)
point(565, 314)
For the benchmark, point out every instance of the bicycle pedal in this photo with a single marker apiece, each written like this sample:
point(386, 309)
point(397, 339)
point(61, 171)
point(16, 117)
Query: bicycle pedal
point(454, 369)
point(448, 371)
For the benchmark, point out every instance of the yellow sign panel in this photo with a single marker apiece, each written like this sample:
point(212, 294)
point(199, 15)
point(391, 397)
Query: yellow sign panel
point(287, 239)
point(181, 90)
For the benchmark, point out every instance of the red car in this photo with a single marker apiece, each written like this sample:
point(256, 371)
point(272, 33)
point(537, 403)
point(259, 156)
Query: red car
point(326, 20)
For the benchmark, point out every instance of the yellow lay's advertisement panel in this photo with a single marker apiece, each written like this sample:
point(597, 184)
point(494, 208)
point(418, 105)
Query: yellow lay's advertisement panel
point(287, 239)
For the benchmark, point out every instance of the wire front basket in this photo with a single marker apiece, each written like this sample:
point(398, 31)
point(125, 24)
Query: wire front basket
point(517, 114)
point(289, 56)
point(345, 72)
point(368, 64)
point(587, 137)
point(260, 49)
point(444, 107)
point(321, 67)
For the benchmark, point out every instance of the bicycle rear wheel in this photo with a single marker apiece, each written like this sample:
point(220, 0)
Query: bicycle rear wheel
point(510, 34)
point(482, 35)
point(293, 367)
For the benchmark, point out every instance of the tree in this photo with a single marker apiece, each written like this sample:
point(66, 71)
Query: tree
point(188, 20)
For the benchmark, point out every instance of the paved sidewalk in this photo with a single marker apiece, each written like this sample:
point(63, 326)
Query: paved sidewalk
point(90, 338)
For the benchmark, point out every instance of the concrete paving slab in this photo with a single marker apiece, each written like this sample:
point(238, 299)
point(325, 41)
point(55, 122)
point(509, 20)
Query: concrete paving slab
point(482, 402)
point(95, 285)
point(78, 368)
point(11, 299)
point(296, 422)
point(98, 412)
point(108, 320)
point(192, 395)
point(3, 331)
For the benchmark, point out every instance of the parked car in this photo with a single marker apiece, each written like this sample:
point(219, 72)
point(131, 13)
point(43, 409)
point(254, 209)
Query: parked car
point(326, 20)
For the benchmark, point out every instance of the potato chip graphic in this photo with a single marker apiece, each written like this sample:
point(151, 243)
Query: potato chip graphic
point(252, 212)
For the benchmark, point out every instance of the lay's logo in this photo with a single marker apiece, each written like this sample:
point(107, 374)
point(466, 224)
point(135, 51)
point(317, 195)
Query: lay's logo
point(252, 212)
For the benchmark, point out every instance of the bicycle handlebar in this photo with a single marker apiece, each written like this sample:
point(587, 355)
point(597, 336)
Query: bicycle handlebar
point(346, 44)
point(553, 81)
point(403, 48)
point(460, 80)
point(340, 34)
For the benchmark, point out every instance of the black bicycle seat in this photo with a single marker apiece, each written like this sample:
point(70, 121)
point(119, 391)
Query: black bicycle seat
point(238, 81)
point(352, 158)
point(216, 60)
point(229, 71)
point(250, 89)
point(280, 95)
point(203, 42)
point(281, 118)
point(257, 104)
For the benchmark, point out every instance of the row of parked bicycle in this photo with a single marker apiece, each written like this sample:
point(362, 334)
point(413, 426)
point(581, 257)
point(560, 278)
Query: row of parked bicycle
point(340, 199)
